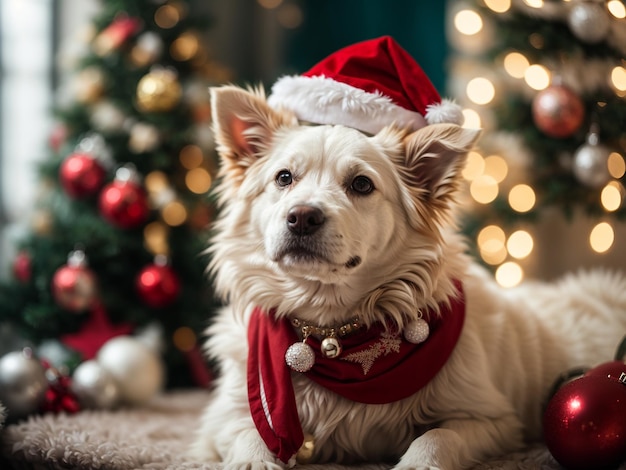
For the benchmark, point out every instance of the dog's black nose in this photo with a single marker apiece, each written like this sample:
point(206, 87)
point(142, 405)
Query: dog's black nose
point(304, 219)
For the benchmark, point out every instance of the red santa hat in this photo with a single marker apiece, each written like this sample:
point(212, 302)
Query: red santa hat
point(367, 86)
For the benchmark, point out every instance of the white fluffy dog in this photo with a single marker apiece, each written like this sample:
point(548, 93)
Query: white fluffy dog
point(344, 231)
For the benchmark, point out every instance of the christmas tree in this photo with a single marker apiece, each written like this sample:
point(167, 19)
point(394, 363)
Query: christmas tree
point(117, 239)
point(547, 82)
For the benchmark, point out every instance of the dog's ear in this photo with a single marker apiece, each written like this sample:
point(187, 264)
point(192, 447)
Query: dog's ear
point(433, 159)
point(244, 125)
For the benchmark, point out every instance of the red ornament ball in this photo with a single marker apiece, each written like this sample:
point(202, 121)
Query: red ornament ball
point(584, 425)
point(124, 204)
point(22, 267)
point(81, 175)
point(59, 397)
point(158, 285)
point(558, 111)
point(614, 370)
point(74, 288)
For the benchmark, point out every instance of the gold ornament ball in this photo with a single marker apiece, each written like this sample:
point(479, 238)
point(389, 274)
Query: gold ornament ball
point(158, 91)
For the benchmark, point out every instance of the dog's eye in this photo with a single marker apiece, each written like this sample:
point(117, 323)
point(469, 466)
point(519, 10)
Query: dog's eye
point(362, 185)
point(284, 178)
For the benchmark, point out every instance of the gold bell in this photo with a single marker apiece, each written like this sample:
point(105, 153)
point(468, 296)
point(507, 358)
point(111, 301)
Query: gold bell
point(331, 347)
point(305, 453)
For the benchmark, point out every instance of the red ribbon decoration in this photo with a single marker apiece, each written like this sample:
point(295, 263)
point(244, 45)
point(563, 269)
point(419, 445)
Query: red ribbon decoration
point(376, 366)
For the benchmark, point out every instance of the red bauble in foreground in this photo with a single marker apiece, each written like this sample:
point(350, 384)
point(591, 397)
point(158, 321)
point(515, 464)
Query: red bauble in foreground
point(124, 204)
point(613, 370)
point(81, 175)
point(558, 111)
point(584, 425)
point(158, 285)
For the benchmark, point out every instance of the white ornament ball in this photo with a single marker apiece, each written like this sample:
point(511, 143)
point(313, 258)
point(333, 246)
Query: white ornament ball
point(107, 117)
point(137, 370)
point(148, 49)
point(95, 386)
point(143, 138)
point(300, 357)
point(417, 331)
point(23, 382)
point(590, 22)
point(590, 164)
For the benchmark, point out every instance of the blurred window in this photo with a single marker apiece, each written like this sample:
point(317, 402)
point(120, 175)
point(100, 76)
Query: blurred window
point(26, 64)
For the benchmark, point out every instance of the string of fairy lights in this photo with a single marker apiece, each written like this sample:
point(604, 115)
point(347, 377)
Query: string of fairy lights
point(478, 87)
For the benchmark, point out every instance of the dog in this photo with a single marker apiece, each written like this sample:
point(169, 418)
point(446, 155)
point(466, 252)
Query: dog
point(356, 328)
point(324, 223)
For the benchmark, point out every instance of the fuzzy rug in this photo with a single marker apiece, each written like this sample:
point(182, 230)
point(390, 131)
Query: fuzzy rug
point(152, 437)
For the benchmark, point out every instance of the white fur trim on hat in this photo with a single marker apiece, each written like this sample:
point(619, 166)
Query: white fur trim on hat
point(446, 111)
point(322, 100)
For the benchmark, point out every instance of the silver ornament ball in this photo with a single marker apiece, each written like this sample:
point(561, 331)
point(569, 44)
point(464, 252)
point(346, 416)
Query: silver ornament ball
point(23, 382)
point(94, 386)
point(590, 164)
point(590, 22)
point(417, 331)
point(300, 357)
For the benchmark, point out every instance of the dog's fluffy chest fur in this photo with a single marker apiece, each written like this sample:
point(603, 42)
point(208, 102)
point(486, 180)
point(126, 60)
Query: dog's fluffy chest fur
point(512, 349)
point(325, 224)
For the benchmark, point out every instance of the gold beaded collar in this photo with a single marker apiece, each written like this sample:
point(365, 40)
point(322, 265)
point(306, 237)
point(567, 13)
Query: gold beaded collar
point(308, 329)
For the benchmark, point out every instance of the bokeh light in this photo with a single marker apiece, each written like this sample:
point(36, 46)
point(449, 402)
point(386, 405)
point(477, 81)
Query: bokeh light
point(496, 167)
point(616, 164)
point(468, 22)
point(480, 90)
point(601, 237)
point(509, 274)
point(484, 189)
point(174, 213)
point(616, 8)
point(537, 77)
point(522, 198)
point(534, 3)
point(499, 6)
point(471, 119)
point(474, 166)
point(516, 64)
point(198, 180)
point(520, 244)
point(618, 78)
point(611, 196)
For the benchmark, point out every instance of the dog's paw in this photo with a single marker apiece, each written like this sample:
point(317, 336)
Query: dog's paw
point(416, 467)
point(437, 449)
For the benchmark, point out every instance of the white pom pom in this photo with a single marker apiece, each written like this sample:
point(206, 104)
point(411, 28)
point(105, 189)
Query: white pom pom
point(446, 111)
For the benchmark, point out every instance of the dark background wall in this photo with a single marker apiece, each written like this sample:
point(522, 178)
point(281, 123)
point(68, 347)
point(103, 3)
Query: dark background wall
point(330, 24)
point(258, 47)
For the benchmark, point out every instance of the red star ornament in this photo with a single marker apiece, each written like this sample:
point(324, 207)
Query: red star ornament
point(96, 331)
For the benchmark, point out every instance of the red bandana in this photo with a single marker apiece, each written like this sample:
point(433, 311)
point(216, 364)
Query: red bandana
point(376, 366)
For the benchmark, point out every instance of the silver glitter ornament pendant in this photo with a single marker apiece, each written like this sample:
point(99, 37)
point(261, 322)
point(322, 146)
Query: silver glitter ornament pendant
point(417, 331)
point(331, 347)
point(300, 357)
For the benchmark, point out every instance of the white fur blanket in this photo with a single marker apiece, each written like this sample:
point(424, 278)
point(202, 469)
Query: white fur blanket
point(152, 437)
